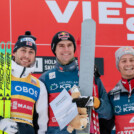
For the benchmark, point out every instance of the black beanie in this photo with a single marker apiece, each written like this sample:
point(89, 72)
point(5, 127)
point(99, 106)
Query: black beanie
point(26, 40)
point(60, 36)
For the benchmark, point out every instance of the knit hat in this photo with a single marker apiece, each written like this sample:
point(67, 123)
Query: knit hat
point(26, 40)
point(60, 36)
point(123, 51)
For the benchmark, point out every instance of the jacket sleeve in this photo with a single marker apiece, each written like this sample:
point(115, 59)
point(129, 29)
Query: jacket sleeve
point(42, 109)
point(105, 109)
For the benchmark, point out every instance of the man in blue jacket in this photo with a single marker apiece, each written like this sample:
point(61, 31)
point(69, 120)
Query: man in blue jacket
point(65, 76)
point(122, 95)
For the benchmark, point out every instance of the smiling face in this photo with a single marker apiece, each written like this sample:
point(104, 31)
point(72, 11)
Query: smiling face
point(126, 66)
point(65, 51)
point(24, 56)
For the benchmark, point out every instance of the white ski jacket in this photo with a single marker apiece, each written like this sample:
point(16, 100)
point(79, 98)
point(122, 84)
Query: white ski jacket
point(26, 92)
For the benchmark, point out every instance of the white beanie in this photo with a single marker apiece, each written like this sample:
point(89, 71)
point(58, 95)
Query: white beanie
point(122, 51)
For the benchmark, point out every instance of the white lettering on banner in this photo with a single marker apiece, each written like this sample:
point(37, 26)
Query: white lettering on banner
point(130, 26)
point(66, 15)
point(48, 67)
point(130, 36)
point(86, 10)
point(49, 61)
point(49, 64)
point(130, 2)
point(129, 10)
point(39, 64)
point(130, 23)
point(104, 12)
point(26, 90)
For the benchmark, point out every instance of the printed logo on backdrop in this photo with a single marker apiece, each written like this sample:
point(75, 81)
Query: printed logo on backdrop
point(118, 12)
point(46, 63)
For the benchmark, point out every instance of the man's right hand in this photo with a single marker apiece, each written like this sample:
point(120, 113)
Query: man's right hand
point(87, 101)
point(83, 101)
point(9, 126)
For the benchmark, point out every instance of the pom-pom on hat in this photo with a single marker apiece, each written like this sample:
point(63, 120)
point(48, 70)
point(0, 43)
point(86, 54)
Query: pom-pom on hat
point(26, 40)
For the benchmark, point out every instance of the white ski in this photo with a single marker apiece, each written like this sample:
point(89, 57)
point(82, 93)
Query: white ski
point(87, 56)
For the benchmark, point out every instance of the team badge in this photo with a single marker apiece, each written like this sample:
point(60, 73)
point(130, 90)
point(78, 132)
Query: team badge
point(52, 75)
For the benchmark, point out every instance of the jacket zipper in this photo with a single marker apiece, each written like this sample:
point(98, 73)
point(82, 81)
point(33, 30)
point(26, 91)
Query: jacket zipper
point(130, 90)
point(22, 72)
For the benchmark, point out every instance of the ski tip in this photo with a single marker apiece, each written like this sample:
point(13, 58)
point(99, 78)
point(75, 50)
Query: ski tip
point(2, 45)
point(89, 21)
point(8, 45)
point(88, 24)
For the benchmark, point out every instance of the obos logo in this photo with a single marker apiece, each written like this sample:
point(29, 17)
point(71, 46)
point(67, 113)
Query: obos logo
point(24, 89)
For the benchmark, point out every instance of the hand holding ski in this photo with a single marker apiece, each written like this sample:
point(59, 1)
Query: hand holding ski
point(9, 126)
point(87, 101)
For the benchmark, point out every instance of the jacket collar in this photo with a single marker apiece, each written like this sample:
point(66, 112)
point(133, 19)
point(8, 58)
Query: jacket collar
point(118, 88)
point(20, 71)
point(128, 84)
point(65, 68)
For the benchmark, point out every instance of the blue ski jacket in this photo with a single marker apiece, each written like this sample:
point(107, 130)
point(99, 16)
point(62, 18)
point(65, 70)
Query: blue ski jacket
point(65, 77)
point(122, 100)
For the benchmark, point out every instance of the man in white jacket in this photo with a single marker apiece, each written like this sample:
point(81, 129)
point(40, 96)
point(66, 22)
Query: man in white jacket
point(27, 91)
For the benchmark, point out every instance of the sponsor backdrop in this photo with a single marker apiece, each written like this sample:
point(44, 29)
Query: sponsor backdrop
point(114, 19)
